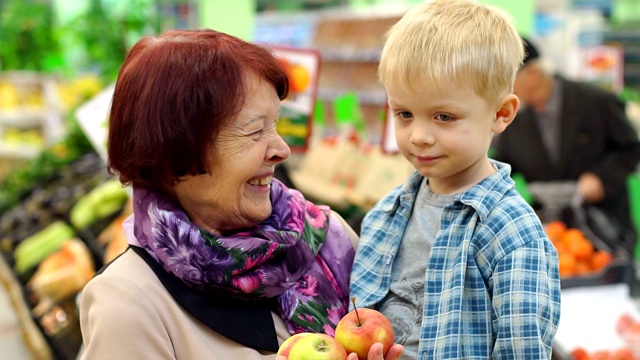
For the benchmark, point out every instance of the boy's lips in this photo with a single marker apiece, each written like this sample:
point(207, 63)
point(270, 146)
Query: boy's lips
point(427, 158)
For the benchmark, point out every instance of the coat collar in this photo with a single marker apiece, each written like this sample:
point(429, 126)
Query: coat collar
point(249, 323)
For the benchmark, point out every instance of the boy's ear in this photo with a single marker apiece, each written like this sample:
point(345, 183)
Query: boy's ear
point(505, 113)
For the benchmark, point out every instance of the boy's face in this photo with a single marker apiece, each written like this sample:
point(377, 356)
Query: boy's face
point(446, 133)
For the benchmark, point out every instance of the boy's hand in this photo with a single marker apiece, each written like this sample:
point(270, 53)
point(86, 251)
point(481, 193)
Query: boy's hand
point(375, 353)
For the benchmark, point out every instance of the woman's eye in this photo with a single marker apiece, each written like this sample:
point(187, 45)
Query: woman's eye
point(256, 133)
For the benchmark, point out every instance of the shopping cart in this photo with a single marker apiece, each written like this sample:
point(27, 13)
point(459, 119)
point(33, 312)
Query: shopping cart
point(560, 200)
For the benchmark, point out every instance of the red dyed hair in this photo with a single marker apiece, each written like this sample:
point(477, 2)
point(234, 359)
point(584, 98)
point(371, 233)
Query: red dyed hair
point(173, 94)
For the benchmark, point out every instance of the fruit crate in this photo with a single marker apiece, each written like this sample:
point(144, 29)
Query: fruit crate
point(619, 270)
point(560, 201)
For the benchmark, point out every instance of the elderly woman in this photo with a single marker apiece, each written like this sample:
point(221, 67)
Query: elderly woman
point(224, 261)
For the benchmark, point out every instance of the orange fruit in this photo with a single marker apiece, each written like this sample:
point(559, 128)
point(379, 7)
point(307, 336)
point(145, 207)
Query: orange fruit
point(623, 354)
point(571, 235)
point(567, 264)
point(561, 248)
point(300, 78)
point(580, 354)
point(555, 229)
point(600, 259)
point(581, 248)
point(582, 268)
point(601, 355)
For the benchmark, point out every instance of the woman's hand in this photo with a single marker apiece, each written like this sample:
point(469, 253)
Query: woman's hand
point(375, 353)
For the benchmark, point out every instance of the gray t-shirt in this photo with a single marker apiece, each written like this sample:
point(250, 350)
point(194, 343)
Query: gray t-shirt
point(403, 304)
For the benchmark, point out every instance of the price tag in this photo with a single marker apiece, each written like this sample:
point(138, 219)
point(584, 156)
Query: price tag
point(93, 117)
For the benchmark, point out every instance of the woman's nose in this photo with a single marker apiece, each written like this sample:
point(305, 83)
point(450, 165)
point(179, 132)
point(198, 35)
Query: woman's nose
point(279, 151)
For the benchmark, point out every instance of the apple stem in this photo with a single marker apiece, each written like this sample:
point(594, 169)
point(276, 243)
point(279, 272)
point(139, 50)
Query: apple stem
point(353, 301)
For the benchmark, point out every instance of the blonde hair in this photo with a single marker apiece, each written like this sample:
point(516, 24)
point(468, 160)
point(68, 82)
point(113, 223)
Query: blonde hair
point(453, 40)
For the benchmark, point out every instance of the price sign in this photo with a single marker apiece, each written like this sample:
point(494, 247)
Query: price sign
point(93, 117)
point(296, 116)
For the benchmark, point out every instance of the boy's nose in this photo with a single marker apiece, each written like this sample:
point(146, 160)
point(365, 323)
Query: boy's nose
point(422, 134)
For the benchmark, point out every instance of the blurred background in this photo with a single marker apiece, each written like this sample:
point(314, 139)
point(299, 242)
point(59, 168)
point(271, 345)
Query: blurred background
point(60, 211)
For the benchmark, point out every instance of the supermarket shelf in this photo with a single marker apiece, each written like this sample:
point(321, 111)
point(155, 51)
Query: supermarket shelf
point(12, 343)
point(21, 339)
point(371, 97)
point(22, 152)
point(350, 54)
point(23, 118)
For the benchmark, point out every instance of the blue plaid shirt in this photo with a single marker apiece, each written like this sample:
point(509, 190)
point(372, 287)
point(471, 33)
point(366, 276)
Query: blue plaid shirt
point(492, 288)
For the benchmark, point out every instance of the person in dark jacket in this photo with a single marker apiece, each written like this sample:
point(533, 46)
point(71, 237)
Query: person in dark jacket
point(575, 131)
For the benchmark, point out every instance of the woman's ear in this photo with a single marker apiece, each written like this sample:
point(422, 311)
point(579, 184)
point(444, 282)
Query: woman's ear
point(505, 113)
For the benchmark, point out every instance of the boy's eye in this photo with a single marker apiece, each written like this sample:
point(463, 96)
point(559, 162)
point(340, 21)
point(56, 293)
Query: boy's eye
point(404, 115)
point(444, 117)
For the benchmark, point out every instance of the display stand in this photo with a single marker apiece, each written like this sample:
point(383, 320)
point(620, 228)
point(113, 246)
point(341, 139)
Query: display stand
point(30, 104)
point(33, 336)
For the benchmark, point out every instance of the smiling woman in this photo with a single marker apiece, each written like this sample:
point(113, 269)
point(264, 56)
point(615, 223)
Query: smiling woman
point(224, 259)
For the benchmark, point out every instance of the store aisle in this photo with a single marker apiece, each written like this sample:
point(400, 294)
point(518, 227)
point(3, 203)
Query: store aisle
point(12, 343)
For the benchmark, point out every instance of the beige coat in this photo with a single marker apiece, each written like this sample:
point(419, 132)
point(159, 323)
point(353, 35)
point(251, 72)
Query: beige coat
point(126, 313)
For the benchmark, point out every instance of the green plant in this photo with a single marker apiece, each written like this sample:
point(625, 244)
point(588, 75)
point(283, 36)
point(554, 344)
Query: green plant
point(28, 40)
point(107, 30)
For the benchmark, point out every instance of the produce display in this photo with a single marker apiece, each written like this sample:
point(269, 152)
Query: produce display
point(61, 275)
point(620, 354)
point(628, 329)
point(48, 199)
point(576, 253)
point(31, 251)
point(48, 165)
point(64, 227)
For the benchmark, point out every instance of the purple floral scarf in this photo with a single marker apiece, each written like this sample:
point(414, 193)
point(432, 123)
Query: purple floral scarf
point(299, 255)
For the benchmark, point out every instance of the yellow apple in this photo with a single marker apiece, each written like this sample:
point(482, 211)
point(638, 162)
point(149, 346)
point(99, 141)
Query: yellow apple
point(285, 348)
point(316, 347)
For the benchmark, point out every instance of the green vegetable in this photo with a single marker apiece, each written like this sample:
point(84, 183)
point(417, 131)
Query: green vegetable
point(104, 200)
point(32, 250)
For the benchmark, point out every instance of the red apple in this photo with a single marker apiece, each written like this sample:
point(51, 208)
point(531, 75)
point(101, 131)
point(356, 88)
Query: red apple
point(286, 346)
point(363, 327)
point(316, 347)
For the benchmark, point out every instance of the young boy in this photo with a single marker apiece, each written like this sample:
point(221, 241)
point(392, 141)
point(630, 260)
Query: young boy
point(454, 257)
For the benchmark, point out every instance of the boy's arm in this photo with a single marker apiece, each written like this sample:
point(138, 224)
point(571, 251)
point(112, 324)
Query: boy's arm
point(526, 300)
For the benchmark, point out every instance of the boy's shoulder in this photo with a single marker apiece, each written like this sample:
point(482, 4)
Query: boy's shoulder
point(496, 191)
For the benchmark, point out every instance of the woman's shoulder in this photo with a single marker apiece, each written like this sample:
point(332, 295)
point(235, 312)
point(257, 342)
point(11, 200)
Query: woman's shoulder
point(128, 295)
point(127, 264)
point(127, 275)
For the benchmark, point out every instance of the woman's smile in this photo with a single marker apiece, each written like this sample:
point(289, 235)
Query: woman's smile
point(262, 184)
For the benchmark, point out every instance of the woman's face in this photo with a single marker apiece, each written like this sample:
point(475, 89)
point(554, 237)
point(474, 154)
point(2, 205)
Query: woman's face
point(236, 192)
